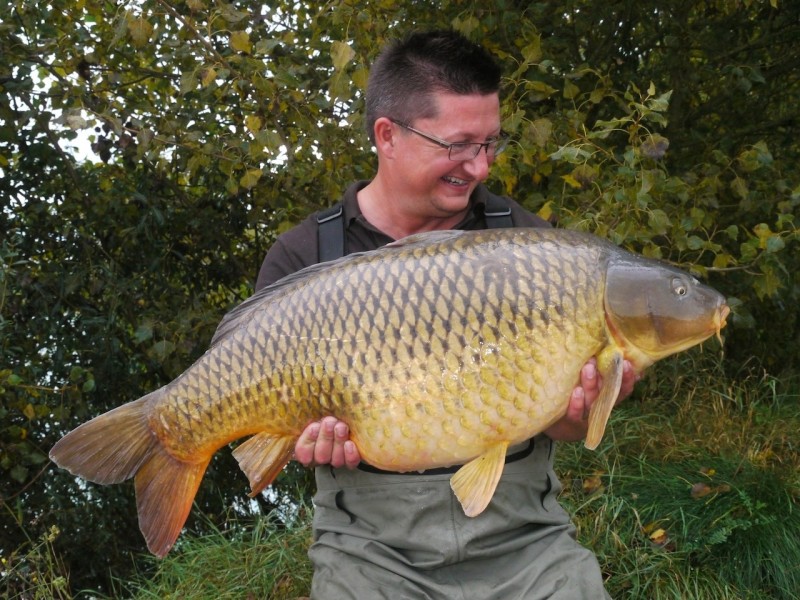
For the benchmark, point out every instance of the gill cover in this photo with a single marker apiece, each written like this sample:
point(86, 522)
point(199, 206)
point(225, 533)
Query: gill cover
point(654, 310)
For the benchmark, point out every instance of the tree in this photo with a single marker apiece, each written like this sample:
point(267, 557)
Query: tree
point(212, 127)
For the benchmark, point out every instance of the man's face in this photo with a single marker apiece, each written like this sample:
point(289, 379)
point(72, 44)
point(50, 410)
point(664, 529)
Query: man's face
point(425, 178)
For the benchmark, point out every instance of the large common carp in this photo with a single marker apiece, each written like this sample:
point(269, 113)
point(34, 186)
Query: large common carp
point(441, 349)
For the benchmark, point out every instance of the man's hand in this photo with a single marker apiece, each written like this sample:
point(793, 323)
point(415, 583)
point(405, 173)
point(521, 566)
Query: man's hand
point(326, 442)
point(573, 426)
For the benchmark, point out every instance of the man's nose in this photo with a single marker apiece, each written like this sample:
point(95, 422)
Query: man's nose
point(479, 166)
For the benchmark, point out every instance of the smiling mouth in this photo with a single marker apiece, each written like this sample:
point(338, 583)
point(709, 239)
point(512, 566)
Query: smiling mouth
point(455, 180)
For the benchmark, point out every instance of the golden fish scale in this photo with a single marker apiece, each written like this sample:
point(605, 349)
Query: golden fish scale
point(431, 353)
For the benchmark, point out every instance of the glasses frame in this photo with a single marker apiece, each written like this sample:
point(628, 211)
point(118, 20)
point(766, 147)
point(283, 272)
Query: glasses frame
point(500, 144)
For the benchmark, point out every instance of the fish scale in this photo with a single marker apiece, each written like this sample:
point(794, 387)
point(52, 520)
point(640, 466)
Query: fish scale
point(442, 349)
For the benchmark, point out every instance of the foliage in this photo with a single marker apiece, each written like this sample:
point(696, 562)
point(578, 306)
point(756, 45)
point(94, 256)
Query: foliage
point(151, 151)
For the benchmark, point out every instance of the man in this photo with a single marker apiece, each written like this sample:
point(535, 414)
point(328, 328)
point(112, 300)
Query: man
point(433, 115)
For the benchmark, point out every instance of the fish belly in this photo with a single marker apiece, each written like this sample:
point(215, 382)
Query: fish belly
point(507, 391)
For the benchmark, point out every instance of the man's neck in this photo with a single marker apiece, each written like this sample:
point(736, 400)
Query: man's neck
point(393, 217)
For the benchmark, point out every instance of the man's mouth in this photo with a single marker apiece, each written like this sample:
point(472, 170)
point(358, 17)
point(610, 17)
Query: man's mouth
point(455, 180)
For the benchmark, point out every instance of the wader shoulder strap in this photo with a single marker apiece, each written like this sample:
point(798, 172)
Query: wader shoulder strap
point(330, 233)
point(497, 213)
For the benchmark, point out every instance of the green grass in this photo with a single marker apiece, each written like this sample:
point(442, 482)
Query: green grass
point(34, 571)
point(693, 494)
point(264, 560)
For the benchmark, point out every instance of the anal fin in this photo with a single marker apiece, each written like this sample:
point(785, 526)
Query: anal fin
point(609, 364)
point(263, 457)
point(474, 483)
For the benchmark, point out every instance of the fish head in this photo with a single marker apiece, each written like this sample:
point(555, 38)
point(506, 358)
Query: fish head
point(654, 310)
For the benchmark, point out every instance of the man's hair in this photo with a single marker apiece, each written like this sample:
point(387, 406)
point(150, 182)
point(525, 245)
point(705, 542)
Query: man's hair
point(409, 71)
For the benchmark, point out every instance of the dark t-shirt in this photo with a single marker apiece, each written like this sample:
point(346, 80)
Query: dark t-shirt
point(299, 247)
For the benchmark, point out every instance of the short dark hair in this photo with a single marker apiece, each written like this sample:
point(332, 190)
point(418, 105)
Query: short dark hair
point(408, 71)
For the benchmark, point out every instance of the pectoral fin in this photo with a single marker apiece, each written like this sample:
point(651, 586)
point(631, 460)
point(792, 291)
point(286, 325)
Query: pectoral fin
point(263, 457)
point(609, 364)
point(475, 482)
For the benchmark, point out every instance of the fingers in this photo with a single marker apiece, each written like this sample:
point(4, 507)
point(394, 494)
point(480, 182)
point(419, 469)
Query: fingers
point(351, 455)
point(590, 382)
point(304, 447)
point(330, 445)
point(573, 425)
point(326, 442)
point(578, 408)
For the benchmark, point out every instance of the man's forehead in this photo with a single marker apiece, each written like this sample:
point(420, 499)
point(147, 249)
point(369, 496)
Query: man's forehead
point(466, 113)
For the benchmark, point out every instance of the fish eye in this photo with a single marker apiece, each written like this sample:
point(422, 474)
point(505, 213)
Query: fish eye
point(679, 287)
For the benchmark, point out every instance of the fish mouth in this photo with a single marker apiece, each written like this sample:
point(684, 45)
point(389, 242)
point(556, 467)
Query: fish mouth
point(720, 320)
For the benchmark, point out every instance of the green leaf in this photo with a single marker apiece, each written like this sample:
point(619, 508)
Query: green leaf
point(571, 181)
point(755, 158)
point(188, 82)
point(19, 473)
point(749, 250)
point(660, 104)
point(598, 95)
point(539, 90)
point(571, 90)
point(209, 76)
point(774, 244)
point(570, 154)
point(143, 333)
point(341, 54)
point(655, 146)
point(140, 31)
point(763, 233)
point(240, 42)
point(722, 261)
point(541, 130)
point(739, 187)
point(253, 123)
point(532, 51)
point(250, 178)
point(694, 243)
point(767, 283)
point(659, 221)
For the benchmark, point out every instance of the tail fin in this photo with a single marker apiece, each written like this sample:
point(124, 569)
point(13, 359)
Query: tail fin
point(110, 448)
point(165, 490)
point(119, 445)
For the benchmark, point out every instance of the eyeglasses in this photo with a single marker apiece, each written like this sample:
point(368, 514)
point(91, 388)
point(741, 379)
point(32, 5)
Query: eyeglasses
point(461, 150)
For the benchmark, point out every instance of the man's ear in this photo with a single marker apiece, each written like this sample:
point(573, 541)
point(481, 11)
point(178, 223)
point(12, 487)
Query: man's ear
point(385, 137)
